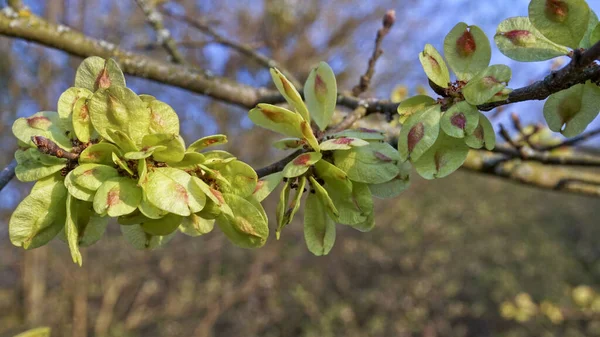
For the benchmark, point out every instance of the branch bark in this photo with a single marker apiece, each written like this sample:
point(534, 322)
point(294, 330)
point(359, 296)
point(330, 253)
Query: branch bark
point(163, 36)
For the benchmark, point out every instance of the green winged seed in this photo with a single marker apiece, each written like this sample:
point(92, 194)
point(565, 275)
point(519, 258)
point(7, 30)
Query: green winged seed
point(72, 230)
point(207, 141)
point(467, 50)
point(163, 119)
point(174, 146)
point(145, 153)
point(163, 226)
point(434, 66)
point(301, 164)
point(394, 187)
point(117, 196)
point(241, 177)
point(419, 132)
point(362, 133)
point(309, 136)
point(173, 190)
point(342, 143)
point(122, 164)
point(266, 185)
point(562, 21)
point(77, 191)
point(319, 228)
point(139, 239)
point(91, 226)
point(363, 204)
point(372, 164)
point(487, 83)
point(588, 39)
point(289, 92)
point(246, 228)
point(277, 119)
point(97, 73)
point(444, 157)
point(291, 209)
point(100, 153)
point(45, 124)
point(332, 175)
point(119, 109)
point(31, 166)
point(149, 210)
point(352, 208)
point(460, 120)
point(284, 196)
point(65, 105)
point(259, 207)
point(501, 95)
point(367, 225)
point(82, 126)
point(91, 176)
point(518, 39)
point(194, 225)
point(40, 216)
point(190, 161)
point(324, 198)
point(132, 219)
point(295, 204)
point(483, 135)
point(288, 143)
point(320, 91)
point(412, 105)
point(122, 140)
point(595, 35)
point(570, 111)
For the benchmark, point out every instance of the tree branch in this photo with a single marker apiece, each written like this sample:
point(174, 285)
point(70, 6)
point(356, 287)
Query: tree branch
point(244, 49)
point(365, 80)
point(278, 165)
point(36, 29)
point(163, 36)
point(558, 178)
point(7, 174)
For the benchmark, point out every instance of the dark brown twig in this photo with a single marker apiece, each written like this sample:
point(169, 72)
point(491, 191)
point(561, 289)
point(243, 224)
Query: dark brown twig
point(506, 136)
point(278, 165)
point(49, 147)
point(365, 80)
point(7, 174)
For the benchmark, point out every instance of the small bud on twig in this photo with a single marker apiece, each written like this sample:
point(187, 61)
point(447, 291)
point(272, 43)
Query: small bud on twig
point(389, 19)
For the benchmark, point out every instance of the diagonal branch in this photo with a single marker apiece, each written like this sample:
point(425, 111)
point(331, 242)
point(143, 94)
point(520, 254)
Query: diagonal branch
point(36, 29)
point(7, 174)
point(365, 80)
point(242, 48)
point(163, 36)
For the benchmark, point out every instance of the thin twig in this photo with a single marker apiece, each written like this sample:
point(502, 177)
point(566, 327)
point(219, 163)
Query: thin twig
point(163, 36)
point(244, 49)
point(278, 165)
point(350, 119)
point(573, 141)
point(506, 136)
point(547, 158)
point(7, 173)
point(365, 80)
